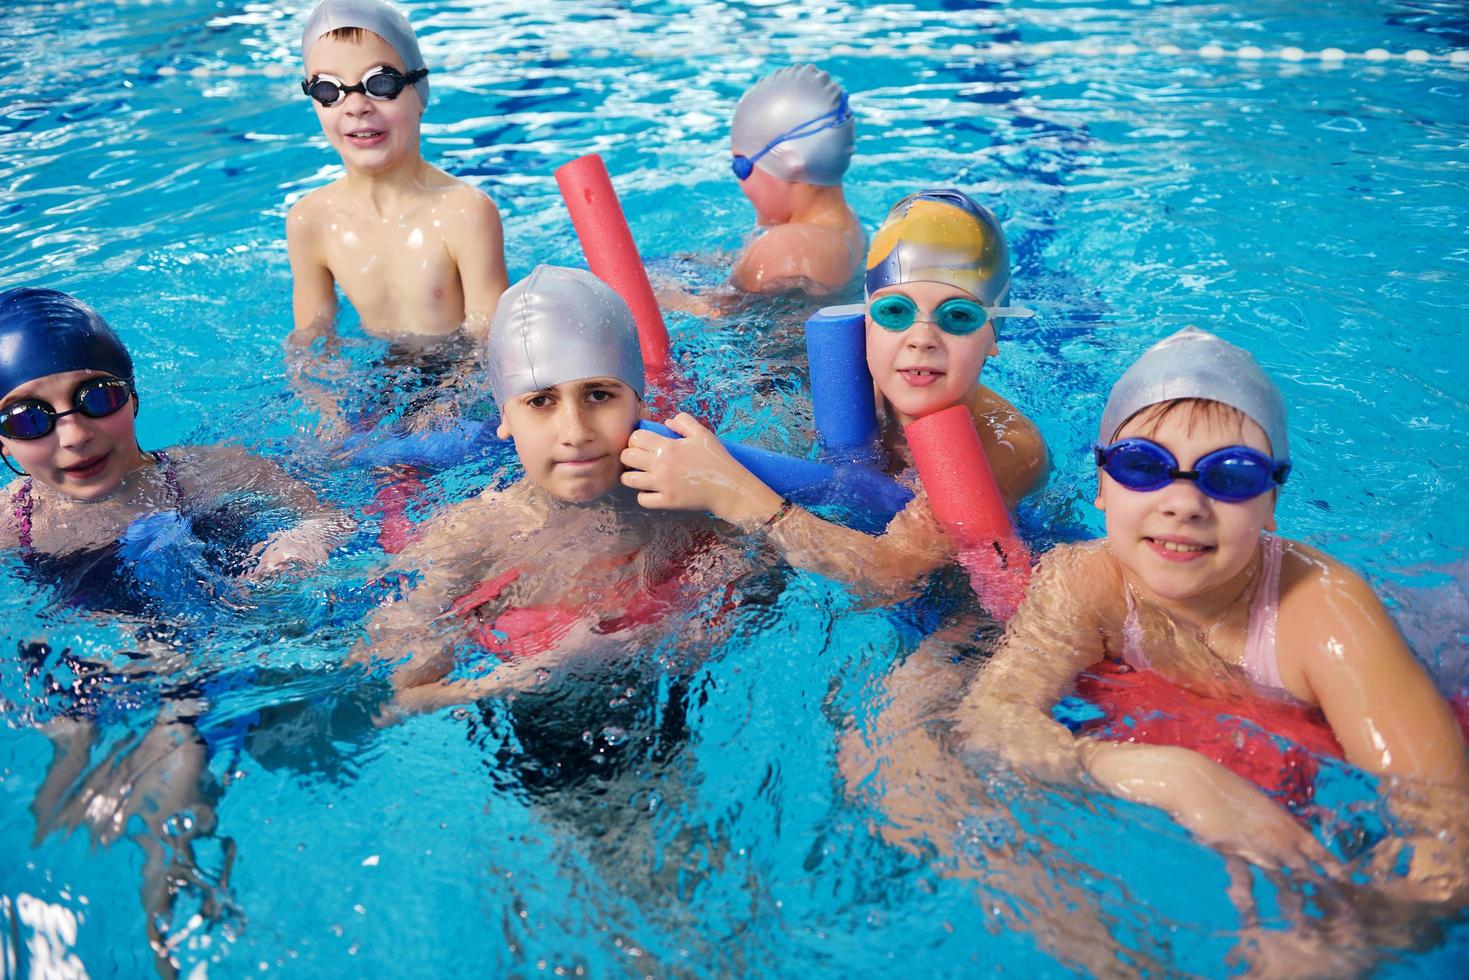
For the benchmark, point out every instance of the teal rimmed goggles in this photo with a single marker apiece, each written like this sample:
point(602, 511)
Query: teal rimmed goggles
point(957, 316)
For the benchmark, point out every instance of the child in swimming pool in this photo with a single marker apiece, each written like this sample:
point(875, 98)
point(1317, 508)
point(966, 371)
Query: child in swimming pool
point(96, 518)
point(418, 253)
point(1189, 583)
point(536, 571)
point(937, 276)
point(791, 138)
point(66, 429)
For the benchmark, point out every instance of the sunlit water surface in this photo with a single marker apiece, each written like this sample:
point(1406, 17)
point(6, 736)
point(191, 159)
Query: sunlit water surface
point(1313, 213)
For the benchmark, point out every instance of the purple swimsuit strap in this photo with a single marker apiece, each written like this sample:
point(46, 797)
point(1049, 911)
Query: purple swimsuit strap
point(23, 501)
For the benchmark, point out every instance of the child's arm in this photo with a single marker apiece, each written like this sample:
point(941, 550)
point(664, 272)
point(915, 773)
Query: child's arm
point(220, 470)
point(806, 258)
point(313, 288)
point(1012, 443)
point(476, 240)
point(1386, 712)
point(1074, 601)
point(420, 627)
point(697, 473)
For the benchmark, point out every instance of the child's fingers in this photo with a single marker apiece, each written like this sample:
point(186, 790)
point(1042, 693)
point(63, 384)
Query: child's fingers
point(685, 425)
point(639, 480)
point(649, 442)
point(652, 500)
point(638, 459)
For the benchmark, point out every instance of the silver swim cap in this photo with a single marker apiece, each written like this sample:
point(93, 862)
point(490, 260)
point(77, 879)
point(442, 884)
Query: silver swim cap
point(941, 235)
point(370, 15)
point(795, 124)
point(558, 325)
point(1195, 364)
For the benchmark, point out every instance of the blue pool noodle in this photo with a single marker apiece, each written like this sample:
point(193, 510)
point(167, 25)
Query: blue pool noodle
point(872, 497)
point(434, 449)
point(841, 386)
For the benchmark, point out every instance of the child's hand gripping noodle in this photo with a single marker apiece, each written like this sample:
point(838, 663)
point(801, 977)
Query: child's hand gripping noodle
point(939, 255)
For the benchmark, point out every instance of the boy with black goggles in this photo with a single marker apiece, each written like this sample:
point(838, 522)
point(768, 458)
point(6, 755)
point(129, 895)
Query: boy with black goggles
point(390, 198)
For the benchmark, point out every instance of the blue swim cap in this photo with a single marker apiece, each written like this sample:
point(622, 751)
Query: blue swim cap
point(45, 332)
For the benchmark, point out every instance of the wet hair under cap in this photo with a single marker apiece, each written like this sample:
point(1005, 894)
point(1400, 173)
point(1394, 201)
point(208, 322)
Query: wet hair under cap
point(558, 325)
point(941, 235)
point(43, 332)
point(778, 103)
point(368, 15)
point(1195, 364)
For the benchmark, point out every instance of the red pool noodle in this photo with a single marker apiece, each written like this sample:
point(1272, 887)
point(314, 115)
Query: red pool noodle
point(611, 253)
point(967, 501)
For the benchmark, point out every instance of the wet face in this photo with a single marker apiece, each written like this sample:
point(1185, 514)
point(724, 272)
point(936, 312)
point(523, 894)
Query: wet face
point(922, 370)
point(84, 458)
point(371, 135)
point(570, 436)
point(772, 197)
point(1176, 543)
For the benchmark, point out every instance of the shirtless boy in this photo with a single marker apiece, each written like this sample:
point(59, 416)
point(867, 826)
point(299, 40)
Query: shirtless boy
point(418, 253)
point(792, 137)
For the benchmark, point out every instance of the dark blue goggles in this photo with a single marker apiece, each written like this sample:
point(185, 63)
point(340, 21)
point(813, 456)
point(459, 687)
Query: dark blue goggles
point(1233, 474)
point(744, 166)
point(95, 398)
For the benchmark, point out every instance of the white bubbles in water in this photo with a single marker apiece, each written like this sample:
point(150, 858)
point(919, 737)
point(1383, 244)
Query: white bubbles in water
point(179, 824)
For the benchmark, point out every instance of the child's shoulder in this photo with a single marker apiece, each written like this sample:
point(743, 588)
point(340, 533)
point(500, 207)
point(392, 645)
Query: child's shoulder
point(314, 211)
point(1305, 570)
point(1082, 579)
point(460, 200)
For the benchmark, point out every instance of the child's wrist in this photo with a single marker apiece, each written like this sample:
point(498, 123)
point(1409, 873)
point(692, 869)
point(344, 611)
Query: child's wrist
point(750, 511)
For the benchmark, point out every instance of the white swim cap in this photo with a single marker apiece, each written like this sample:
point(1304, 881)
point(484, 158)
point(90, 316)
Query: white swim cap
point(369, 15)
point(558, 325)
point(1195, 364)
point(795, 124)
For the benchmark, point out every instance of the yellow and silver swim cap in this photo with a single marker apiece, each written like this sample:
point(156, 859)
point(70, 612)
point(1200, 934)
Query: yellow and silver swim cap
point(941, 235)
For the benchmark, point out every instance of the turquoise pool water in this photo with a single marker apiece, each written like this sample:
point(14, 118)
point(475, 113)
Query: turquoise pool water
point(1312, 210)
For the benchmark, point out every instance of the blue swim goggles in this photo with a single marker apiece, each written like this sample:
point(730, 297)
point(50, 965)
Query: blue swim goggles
point(1233, 474)
point(957, 316)
point(96, 398)
point(744, 166)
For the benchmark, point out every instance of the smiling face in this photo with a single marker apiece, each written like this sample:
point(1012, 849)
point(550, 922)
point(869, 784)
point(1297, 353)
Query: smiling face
point(82, 457)
point(922, 370)
point(1176, 543)
point(371, 135)
point(570, 436)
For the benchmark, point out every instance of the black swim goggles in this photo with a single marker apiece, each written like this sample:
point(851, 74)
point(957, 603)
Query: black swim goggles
point(744, 166)
point(96, 398)
point(383, 83)
point(1233, 474)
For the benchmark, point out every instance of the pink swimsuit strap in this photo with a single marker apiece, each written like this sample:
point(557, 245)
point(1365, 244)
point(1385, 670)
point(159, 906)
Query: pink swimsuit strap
point(23, 501)
point(1260, 663)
